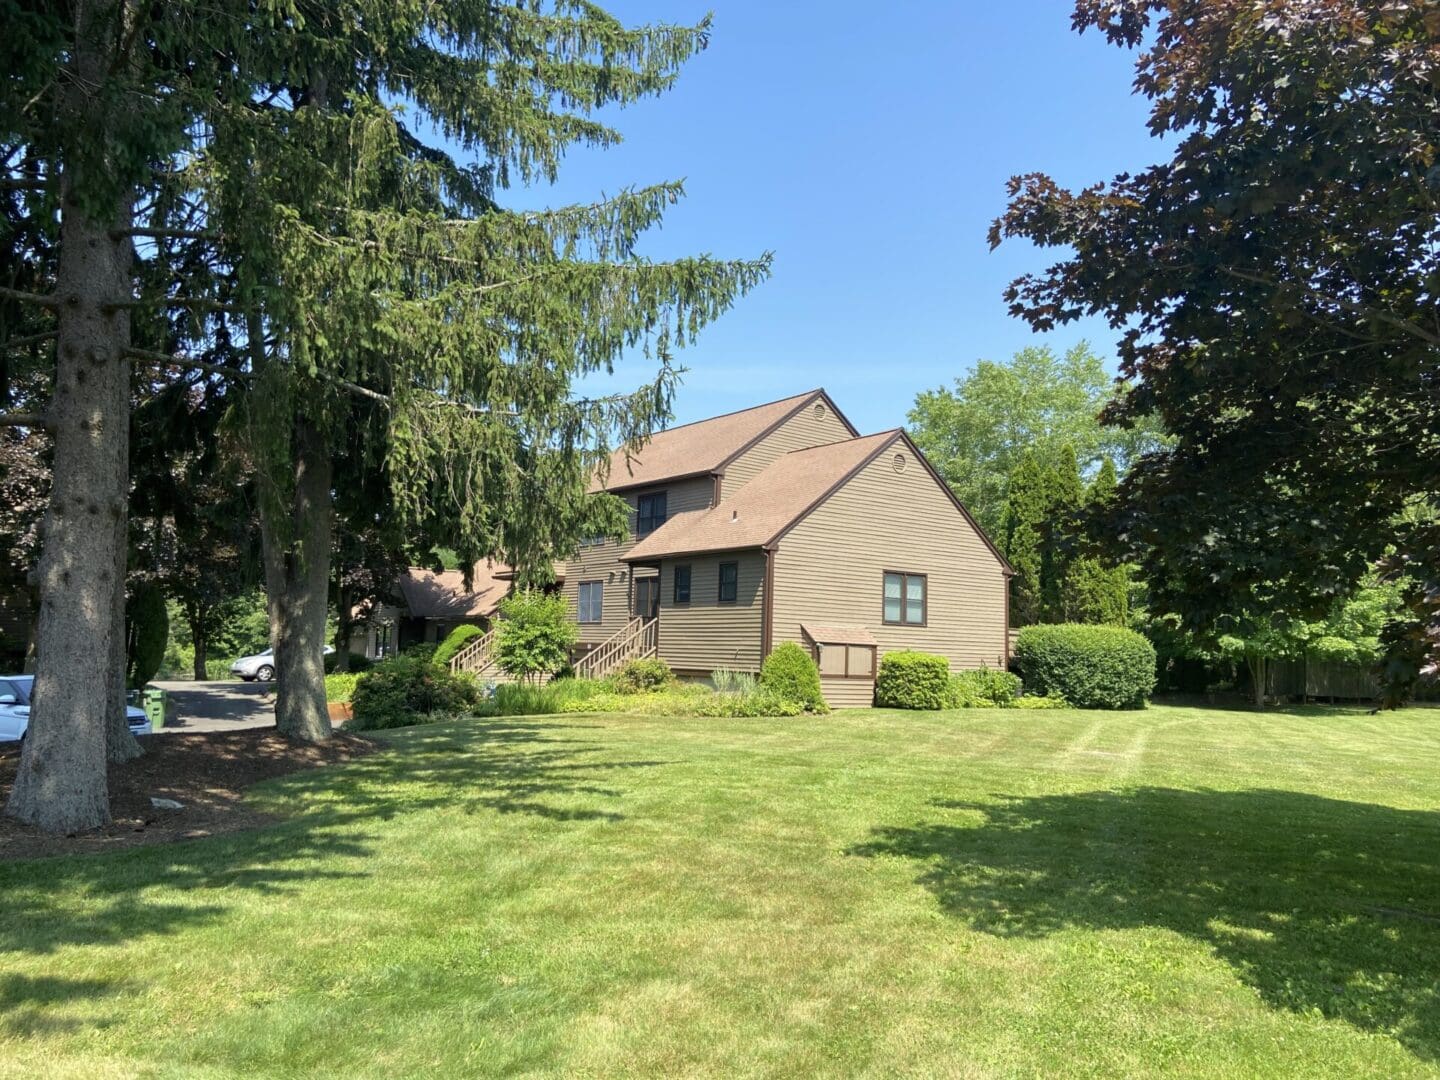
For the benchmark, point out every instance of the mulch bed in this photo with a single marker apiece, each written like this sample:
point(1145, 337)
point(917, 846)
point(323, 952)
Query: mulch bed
point(206, 772)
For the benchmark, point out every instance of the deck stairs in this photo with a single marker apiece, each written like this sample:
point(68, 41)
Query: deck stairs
point(639, 640)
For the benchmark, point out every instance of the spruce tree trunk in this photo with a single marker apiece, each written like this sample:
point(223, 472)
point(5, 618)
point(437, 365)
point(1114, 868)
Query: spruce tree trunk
point(297, 585)
point(60, 785)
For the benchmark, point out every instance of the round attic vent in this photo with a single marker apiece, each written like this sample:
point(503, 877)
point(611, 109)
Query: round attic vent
point(819, 410)
point(900, 462)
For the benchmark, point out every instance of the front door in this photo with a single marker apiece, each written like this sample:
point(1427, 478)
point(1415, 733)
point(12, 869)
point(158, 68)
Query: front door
point(647, 597)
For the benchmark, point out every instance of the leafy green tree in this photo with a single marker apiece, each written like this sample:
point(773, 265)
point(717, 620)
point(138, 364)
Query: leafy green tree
point(1277, 278)
point(534, 634)
point(1349, 633)
point(977, 431)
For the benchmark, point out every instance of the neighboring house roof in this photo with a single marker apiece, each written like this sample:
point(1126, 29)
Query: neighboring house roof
point(782, 495)
point(839, 635)
point(755, 516)
point(705, 446)
point(429, 595)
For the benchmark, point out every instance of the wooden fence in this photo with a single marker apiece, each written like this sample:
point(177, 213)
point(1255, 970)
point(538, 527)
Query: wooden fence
point(1321, 679)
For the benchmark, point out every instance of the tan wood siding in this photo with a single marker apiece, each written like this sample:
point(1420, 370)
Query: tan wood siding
point(706, 634)
point(603, 563)
point(830, 568)
point(802, 430)
point(848, 693)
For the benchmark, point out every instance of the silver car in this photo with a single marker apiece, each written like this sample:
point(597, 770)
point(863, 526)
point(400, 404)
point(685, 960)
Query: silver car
point(261, 666)
point(17, 695)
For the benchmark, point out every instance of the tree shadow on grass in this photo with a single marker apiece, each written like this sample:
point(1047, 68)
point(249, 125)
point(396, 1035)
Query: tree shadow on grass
point(24, 1000)
point(1319, 904)
point(538, 769)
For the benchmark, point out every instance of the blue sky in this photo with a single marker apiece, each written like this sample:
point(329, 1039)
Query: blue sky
point(868, 149)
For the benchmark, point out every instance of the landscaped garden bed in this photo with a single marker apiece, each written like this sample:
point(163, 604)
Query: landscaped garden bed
point(205, 772)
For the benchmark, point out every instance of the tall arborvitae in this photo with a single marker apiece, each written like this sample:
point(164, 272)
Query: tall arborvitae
point(1023, 528)
point(1097, 591)
point(1064, 494)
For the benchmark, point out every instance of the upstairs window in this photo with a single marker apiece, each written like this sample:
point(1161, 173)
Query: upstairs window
point(729, 582)
point(649, 513)
point(592, 601)
point(682, 585)
point(592, 541)
point(905, 599)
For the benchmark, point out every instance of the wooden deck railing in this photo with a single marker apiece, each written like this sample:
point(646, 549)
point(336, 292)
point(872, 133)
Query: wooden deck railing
point(639, 639)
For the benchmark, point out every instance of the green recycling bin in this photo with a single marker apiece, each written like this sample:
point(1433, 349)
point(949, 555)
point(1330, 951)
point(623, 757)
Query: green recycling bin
point(153, 702)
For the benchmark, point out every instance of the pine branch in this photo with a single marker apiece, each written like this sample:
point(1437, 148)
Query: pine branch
point(164, 234)
point(199, 303)
point(170, 360)
point(31, 420)
point(29, 339)
point(43, 300)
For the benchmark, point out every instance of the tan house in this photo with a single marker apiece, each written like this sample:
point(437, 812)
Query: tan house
point(428, 605)
point(781, 523)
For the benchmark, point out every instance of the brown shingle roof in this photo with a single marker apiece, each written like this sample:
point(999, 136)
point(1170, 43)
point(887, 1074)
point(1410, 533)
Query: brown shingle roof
point(698, 448)
point(839, 635)
point(782, 493)
point(429, 595)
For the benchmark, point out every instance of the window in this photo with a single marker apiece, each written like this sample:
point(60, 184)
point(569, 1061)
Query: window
point(729, 582)
point(649, 513)
point(592, 541)
point(904, 599)
point(592, 601)
point(682, 585)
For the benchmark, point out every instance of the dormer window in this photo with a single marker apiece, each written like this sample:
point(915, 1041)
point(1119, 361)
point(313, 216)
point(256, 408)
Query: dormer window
point(649, 513)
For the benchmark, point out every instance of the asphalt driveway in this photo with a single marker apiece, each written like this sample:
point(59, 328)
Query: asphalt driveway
point(219, 706)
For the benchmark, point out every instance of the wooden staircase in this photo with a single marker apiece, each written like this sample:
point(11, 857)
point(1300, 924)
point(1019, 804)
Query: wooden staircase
point(639, 640)
point(477, 657)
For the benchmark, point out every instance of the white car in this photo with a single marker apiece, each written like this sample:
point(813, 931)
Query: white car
point(261, 666)
point(17, 694)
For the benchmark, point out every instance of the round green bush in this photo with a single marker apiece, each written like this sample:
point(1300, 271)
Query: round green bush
point(409, 689)
point(912, 680)
point(644, 676)
point(1091, 667)
point(791, 674)
point(456, 640)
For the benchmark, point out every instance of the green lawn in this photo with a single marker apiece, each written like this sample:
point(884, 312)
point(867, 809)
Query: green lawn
point(1178, 891)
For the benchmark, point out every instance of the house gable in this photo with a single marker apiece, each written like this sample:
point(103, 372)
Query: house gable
point(815, 422)
point(892, 514)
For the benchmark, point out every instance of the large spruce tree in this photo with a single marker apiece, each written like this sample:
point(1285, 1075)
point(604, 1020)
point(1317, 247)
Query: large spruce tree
point(314, 188)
